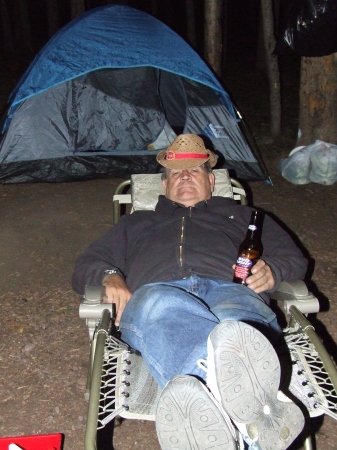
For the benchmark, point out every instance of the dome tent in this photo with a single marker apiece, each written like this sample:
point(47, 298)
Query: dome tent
point(106, 93)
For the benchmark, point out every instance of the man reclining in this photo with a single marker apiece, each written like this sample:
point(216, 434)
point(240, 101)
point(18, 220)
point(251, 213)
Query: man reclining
point(208, 342)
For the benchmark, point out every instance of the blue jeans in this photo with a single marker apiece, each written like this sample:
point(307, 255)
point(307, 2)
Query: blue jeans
point(169, 323)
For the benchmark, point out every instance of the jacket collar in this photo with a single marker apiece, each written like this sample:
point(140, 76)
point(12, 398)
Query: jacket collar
point(167, 206)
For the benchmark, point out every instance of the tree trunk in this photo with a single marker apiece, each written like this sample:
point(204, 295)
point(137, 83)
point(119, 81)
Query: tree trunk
point(272, 67)
point(224, 35)
point(77, 8)
point(213, 34)
point(52, 17)
point(190, 19)
point(318, 100)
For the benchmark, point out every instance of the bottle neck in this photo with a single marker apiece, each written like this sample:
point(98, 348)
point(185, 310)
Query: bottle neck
point(253, 233)
point(255, 225)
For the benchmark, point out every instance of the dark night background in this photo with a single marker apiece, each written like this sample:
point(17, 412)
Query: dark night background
point(241, 27)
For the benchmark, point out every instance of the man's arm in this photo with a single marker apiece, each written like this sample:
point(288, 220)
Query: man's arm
point(106, 253)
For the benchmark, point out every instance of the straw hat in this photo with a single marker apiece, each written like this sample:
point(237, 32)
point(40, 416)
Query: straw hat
point(185, 152)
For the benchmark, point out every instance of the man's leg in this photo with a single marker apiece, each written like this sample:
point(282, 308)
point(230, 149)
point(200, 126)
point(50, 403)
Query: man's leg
point(169, 323)
point(170, 327)
point(243, 373)
point(231, 301)
point(243, 370)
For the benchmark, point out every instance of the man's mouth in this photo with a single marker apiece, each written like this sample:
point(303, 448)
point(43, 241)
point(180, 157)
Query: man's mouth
point(186, 186)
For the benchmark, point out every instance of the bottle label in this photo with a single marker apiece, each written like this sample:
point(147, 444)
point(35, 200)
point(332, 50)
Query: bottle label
point(242, 268)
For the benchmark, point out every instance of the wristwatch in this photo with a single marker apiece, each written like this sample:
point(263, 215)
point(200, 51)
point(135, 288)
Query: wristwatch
point(112, 271)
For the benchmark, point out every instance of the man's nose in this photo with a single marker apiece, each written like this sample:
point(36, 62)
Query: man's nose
point(185, 174)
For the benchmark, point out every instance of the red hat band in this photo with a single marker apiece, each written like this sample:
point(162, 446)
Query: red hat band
point(172, 155)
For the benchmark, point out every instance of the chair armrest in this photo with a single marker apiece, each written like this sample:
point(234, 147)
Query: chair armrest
point(296, 293)
point(91, 307)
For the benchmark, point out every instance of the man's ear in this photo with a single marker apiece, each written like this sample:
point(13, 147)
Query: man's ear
point(211, 180)
point(164, 182)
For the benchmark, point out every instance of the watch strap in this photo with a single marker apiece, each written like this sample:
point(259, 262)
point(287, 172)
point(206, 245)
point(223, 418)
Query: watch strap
point(114, 271)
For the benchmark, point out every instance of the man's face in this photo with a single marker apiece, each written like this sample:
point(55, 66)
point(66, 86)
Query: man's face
point(189, 186)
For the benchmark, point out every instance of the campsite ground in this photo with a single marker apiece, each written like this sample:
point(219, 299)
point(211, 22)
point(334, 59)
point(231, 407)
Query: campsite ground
point(44, 345)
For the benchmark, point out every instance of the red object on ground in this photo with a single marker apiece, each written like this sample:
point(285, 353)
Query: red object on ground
point(36, 442)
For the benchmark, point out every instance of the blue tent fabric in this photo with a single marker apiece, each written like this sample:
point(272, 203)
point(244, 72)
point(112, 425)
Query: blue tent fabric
point(111, 37)
point(106, 93)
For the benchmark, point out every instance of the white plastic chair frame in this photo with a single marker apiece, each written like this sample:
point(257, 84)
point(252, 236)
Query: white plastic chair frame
point(119, 383)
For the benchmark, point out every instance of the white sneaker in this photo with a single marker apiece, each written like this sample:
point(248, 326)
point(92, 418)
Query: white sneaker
point(243, 373)
point(188, 418)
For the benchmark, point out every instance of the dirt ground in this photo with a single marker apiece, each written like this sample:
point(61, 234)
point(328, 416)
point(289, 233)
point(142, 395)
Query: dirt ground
point(44, 227)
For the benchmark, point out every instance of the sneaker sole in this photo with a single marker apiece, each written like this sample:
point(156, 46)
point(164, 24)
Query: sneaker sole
point(188, 419)
point(248, 373)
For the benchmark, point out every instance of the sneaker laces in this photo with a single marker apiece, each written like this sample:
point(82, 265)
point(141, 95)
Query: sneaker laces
point(205, 365)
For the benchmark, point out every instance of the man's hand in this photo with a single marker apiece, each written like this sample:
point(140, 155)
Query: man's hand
point(261, 279)
point(117, 292)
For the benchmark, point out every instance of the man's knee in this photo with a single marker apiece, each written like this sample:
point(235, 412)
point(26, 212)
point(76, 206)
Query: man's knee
point(150, 300)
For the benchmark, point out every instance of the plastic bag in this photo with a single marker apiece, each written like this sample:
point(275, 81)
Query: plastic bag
point(323, 159)
point(296, 167)
point(310, 28)
point(313, 163)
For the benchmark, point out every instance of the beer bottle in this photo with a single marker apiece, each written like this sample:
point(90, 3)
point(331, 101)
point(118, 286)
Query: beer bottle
point(250, 249)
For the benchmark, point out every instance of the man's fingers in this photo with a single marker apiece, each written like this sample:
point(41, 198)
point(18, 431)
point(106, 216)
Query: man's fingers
point(260, 265)
point(119, 304)
point(117, 292)
point(261, 279)
point(107, 299)
point(119, 316)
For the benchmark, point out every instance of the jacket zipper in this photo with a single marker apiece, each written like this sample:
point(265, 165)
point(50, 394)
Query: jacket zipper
point(182, 232)
point(182, 237)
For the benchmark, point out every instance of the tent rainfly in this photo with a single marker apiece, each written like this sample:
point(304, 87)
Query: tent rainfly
point(106, 93)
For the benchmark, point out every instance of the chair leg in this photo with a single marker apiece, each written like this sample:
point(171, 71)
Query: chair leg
point(307, 444)
point(105, 437)
point(95, 383)
point(308, 441)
